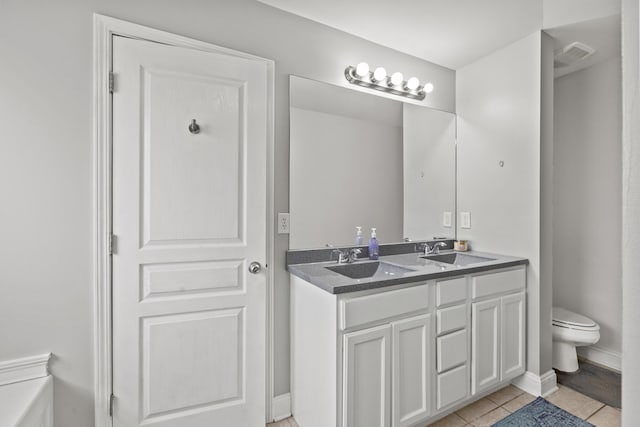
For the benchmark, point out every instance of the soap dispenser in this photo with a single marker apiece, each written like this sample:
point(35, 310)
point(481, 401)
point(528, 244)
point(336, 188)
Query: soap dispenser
point(359, 240)
point(374, 248)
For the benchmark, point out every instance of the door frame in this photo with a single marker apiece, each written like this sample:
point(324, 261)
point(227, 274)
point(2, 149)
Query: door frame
point(104, 28)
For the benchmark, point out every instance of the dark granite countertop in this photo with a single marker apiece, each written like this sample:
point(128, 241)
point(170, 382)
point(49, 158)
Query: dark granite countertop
point(403, 268)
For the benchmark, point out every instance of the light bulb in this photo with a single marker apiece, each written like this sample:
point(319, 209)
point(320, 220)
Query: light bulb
point(362, 69)
point(413, 83)
point(428, 88)
point(397, 78)
point(379, 74)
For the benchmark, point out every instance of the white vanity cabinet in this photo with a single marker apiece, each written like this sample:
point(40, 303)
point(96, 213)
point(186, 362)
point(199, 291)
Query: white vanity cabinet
point(363, 358)
point(402, 356)
point(498, 327)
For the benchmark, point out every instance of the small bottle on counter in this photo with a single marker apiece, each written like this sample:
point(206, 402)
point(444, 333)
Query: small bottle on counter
point(374, 247)
point(461, 245)
point(359, 240)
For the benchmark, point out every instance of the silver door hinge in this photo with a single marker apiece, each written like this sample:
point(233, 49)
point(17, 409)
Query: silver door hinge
point(112, 81)
point(113, 241)
point(111, 399)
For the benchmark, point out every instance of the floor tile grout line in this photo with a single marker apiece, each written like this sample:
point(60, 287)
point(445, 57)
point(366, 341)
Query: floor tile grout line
point(594, 414)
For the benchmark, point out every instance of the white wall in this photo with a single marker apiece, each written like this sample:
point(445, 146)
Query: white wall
point(587, 199)
point(564, 12)
point(46, 295)
point(630, 212)
point(345, 172)
point(498, 101)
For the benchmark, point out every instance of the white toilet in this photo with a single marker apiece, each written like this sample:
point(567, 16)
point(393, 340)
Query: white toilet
point(571, 330)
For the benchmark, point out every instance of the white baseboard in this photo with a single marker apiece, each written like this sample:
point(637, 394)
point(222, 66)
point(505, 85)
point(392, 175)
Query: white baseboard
point(23, 369)
point(542, 385)
point(608, 358)
point(281, 407)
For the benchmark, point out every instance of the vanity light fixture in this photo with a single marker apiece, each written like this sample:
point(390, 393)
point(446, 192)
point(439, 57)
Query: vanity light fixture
point(378, 79)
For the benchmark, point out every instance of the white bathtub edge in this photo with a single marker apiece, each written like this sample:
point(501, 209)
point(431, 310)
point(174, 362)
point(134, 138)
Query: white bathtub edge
point(24, 369)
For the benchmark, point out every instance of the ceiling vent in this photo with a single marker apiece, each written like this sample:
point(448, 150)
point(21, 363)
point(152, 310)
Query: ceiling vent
point(572, 53)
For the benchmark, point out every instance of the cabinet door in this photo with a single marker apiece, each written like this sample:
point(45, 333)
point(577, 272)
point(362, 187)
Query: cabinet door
point(412, 366)
point(513, 333)
point(367, 375)
point(485, 344)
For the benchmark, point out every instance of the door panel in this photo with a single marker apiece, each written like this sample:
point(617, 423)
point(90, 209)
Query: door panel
point(182, 192)
point(485, 346)
point(189, 211)
point(513, 333)
point(367, 362)
point(411, 369)
point(214, 337)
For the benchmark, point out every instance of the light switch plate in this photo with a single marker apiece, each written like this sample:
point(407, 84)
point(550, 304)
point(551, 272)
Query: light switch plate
point(465, 219)
point(446, 219)
point(283, 223)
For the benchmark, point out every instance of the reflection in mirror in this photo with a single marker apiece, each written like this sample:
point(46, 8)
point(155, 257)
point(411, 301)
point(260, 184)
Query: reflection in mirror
point(346, 167)
point(429, 173)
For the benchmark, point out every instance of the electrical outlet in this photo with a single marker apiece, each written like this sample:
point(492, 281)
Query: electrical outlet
point(465, 219)
point(446, 219)
point(283, 223)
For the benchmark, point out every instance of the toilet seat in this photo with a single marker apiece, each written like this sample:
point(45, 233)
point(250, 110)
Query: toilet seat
point(568, 319)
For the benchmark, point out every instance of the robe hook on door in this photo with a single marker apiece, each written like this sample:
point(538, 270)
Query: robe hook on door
point(194, 128)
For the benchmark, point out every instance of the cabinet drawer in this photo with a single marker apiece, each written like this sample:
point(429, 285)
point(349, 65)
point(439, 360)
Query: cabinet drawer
point(452, 318)
point(452, 386)
point(452, 350)
point(371, 308)
point(483, 285)
point(450, 291)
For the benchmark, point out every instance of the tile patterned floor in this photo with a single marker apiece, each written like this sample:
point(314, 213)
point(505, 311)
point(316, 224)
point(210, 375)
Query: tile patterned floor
point(503, 402)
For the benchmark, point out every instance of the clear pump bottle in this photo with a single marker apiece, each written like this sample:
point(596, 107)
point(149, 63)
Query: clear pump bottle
point(359, 240)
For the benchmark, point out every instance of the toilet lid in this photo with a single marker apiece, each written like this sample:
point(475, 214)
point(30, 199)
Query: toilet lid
point(565, 317)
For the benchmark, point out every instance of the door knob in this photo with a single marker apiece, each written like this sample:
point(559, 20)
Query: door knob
point(254, 267)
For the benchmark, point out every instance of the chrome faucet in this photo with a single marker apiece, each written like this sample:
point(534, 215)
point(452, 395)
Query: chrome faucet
point(430, 250)
point(347, 255)
point(435, 249)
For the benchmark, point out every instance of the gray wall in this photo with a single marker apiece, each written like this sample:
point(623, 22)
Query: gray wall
point(498, 101)
point(630, 212)
point(46, 297)
point(587, 198)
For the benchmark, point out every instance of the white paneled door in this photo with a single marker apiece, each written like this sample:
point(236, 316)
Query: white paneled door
point(189, 214)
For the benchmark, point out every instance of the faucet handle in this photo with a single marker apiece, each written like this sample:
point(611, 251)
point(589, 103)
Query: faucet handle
point(437, 246)
point(353, 254)
point(343, 256)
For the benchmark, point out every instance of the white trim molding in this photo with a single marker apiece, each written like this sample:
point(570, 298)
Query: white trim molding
point(281, 407)
point(104, 28)
point(537, 385)
point(25, 368)
point(608, 358)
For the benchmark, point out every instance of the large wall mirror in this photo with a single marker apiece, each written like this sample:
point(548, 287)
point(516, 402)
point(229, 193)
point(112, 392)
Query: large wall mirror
point(358, 159)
